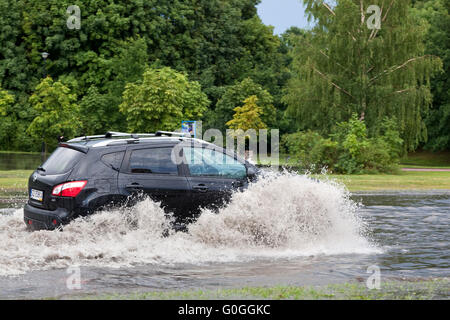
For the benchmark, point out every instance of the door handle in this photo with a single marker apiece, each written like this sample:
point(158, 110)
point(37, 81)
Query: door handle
point(135, 186)
point(201, 188)
point(237, 184)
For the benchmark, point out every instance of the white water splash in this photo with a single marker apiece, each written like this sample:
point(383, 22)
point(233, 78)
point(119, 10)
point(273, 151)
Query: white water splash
point(281, 216)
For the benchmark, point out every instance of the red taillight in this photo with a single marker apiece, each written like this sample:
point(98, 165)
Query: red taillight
point(69, 189)
point(72, 189)
point(57, 190)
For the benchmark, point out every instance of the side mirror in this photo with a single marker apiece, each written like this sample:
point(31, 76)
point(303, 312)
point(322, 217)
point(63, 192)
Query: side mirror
point(251, 173)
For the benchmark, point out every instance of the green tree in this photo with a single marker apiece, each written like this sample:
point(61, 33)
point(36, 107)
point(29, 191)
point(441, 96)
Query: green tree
point(216, 42)
point(96, 113)
point(126, 66)
point(7, 124)
point(161, 100)
point(14, 68)
point(343, 67)
point(233, 97)
point(6, 100)
point(248, 116)
point(57, 113)
point(357, 153)
point(348, 149)
point(436, 13)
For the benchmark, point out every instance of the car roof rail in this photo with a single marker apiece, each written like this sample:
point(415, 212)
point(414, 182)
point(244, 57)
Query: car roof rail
point(112, 134)
point(108, 135)
point(173, 134)
point(136, 136)
point(131, 135)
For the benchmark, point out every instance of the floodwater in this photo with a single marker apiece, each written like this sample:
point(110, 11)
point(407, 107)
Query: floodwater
point(285, 230)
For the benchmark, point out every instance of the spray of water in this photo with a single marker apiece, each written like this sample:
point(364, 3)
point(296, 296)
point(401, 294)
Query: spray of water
point(281, 216)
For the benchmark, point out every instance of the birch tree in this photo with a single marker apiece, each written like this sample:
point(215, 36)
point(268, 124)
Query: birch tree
point(364, 57)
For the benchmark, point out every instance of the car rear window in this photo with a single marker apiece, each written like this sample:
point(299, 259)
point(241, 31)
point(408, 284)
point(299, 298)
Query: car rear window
point(62, 161)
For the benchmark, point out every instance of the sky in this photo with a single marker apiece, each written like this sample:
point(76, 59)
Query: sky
point(282, 14)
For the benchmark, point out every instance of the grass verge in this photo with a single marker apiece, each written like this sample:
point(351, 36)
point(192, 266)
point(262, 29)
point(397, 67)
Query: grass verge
point(14, 183)
point(427, 159)
point(399, 181)
point(393, 290)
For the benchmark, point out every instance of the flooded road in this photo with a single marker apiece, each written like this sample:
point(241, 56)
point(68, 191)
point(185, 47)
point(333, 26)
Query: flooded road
point(405, 234)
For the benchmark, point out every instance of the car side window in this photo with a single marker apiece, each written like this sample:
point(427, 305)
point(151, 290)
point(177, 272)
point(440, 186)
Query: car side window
point(113, 160)
point(153, 161)
point(208, 162)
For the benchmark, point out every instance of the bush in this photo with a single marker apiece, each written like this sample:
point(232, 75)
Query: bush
point(311, 150)
point(352, 141)
point(348, 150)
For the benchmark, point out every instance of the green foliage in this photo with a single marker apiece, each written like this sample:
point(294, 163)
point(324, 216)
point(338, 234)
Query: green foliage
point(126, 66)
point(6, 100)
point(390, 136)
point(348, 149)
point(161, 100)
point(14, 68)
point(248, 116)
point(216, 42)
point(436, 13)
point(337, 69)
point(97, 112)
point(56, 112)
point(342, 67)
point(310, 149)
point(233, 97)
point(14, 120)
point(7, 124)
point(438, 124)
point(359, 154)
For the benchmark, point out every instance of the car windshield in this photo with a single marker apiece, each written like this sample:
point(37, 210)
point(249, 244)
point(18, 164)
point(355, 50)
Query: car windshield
point(62, 160)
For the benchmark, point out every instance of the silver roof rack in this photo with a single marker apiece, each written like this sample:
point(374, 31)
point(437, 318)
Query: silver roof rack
point(136, 136)
point(111, 135)
point(173, 134)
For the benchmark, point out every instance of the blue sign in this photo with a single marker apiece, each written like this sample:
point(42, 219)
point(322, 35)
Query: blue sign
point(189, 127)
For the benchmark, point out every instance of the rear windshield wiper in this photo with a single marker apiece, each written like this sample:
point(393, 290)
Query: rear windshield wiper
point(40, 169)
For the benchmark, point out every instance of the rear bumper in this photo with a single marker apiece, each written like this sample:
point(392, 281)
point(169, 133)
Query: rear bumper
point(39, 219)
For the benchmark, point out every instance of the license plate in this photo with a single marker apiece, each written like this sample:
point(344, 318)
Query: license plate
point(37, 195)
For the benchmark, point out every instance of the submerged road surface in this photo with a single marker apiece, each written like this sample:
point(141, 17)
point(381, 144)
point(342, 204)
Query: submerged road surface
point(405, 234)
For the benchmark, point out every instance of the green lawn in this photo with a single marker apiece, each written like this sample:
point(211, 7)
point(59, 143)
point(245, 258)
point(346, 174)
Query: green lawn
point(399, 181)
point(14, 183)
point(426, 159)
point(390, 290)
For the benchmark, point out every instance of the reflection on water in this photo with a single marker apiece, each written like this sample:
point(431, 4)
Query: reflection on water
point(19, 161)
point(412, 230)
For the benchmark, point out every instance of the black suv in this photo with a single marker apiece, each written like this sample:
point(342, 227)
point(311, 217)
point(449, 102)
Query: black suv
point(90, 173)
